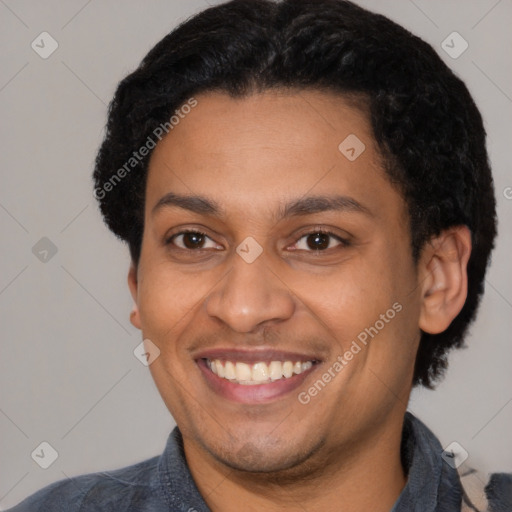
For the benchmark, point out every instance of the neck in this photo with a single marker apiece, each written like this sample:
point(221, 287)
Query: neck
point(361, 476)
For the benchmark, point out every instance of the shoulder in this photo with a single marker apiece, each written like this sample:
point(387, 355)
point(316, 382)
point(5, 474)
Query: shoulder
point(105, 491)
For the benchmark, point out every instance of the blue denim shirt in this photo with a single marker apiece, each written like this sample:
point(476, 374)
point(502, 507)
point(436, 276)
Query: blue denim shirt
point(164, 483)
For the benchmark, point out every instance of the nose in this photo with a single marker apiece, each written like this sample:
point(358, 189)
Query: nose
point(251, 295)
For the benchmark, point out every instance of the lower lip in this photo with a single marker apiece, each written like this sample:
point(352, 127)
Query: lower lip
point(252, 394)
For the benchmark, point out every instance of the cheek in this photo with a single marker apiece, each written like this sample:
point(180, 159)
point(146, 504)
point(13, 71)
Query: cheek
point(167, 298)
point(354, 298)
point(370, 301)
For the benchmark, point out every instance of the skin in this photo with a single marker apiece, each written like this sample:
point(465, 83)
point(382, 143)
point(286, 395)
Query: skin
point(251, 156)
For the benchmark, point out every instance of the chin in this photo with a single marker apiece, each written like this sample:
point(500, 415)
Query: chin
point(267, 456)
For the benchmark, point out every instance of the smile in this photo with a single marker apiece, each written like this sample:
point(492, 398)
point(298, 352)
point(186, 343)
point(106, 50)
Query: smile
point(258, 373)
point(255, 377)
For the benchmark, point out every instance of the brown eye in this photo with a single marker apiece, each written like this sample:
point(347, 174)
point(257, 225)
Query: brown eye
point(318, 241)
point(193, 240)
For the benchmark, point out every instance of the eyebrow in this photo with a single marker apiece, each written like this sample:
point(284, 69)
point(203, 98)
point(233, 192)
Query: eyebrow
point(195, 204)
point(299, 207)
point(318, 204)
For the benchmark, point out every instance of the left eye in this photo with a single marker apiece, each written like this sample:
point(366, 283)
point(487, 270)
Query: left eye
point(317, 241)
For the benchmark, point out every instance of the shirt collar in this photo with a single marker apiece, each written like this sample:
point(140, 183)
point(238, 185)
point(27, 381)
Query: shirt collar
point(432, 484)
point(176, 482)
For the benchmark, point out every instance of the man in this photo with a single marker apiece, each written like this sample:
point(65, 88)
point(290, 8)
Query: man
point(305, 193)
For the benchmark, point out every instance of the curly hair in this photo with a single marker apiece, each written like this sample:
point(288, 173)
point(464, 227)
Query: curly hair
point(424, 120)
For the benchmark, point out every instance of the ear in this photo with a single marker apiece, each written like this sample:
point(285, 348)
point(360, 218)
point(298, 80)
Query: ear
point(443, 278)
point(133, 285)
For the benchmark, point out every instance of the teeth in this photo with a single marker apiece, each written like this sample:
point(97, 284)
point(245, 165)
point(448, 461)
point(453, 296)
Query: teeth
point(287, 369)
point(243, 371)
point(258, 373)
point(229, 371)
point(219, 368)
point(306, 366)
point(276, 370)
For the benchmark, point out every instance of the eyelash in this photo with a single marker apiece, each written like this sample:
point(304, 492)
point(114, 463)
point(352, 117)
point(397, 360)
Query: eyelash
point(342, 242)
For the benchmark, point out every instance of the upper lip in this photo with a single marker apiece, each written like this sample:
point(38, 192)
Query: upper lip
point(254, 356)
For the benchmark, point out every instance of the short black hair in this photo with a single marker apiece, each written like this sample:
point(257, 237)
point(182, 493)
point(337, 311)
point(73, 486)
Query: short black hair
point(426, 124)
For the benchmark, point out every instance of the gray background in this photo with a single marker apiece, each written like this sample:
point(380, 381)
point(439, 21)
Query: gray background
point(68, 375)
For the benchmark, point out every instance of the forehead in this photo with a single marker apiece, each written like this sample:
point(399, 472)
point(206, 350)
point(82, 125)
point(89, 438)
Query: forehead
point(269, 147)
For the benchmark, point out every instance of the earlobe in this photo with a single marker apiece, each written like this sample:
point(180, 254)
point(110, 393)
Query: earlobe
point(135, 317)
point(444, 278)
point(133, 286)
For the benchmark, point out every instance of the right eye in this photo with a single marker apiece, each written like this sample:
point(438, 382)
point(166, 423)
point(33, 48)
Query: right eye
point(192, 240)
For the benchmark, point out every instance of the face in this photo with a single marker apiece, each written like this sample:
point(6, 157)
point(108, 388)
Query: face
point(277, 281)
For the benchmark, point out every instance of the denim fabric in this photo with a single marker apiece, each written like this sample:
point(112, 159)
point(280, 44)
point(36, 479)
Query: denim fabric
point(499, 492)
point(432, 485)
point(164, 483)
